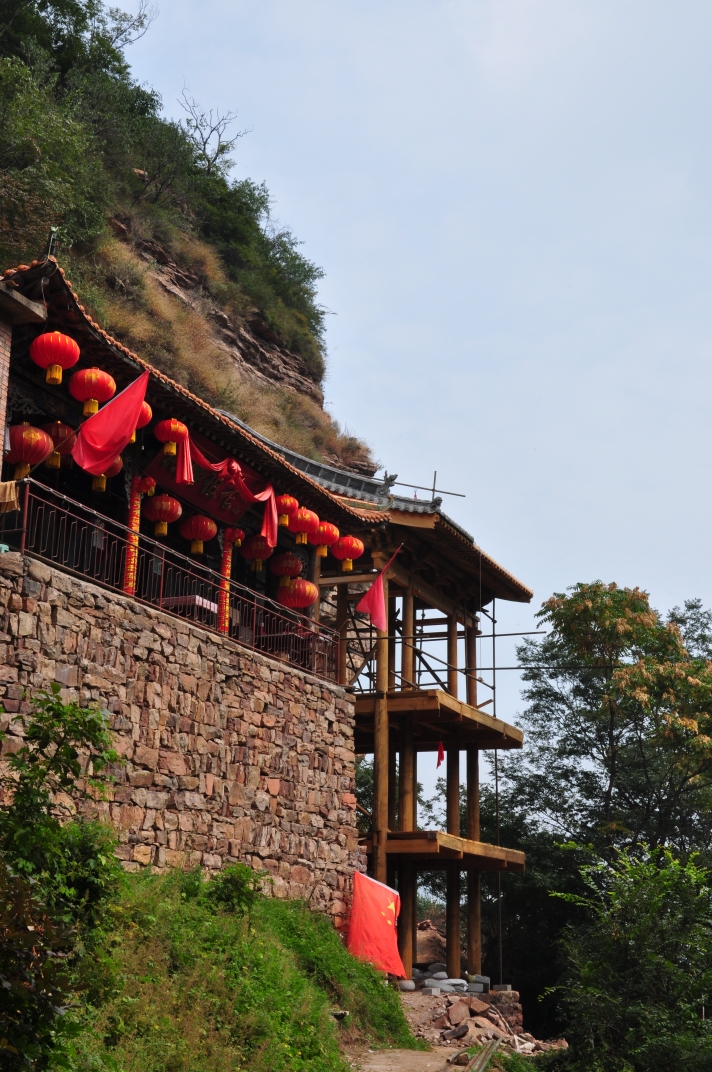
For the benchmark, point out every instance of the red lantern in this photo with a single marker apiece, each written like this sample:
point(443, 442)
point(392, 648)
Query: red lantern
point(256, 550)
point(286, 566)
point(54, 352)
point(298, 595)
point(303, 522)
point(234, 537)
point(169, 433)
point(197, 529)
point(28, 446)
point(92, 386)
point(145, 415)
point(98, 483)
point(286, 505)
point(163, 510)
point(347, 549)
point(63, 438)
point(324, 536)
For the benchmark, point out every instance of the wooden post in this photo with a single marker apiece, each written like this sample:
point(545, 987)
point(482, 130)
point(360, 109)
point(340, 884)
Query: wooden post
point(315, 577)
point(452, 655)
point(474, 911)
point(407, 914)
point(392, 758)
point(452, 920)
point(452, 907)
point(342, 623)
point(408, 643)
point(380, 754)
point(453, 790)
point(405, 776)
point(471, 659)
point(391, 643)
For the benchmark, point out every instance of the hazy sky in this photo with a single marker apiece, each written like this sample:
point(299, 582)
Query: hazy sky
point(511, 202)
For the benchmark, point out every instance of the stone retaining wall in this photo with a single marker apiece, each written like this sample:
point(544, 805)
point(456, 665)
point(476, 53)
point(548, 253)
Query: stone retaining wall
point(227, 755)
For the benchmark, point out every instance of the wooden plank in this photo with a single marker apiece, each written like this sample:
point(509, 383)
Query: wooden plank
point(412, 521)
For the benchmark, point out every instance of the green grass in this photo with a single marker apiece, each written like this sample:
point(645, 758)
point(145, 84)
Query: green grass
point(175, 983)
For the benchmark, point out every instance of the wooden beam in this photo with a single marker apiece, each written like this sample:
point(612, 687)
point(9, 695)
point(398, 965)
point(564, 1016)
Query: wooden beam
point(342, 624)
point(391, 608)
point(412, 521)
point(381, 736)
point(407, 648)
point(407, 913)
point(452, 921)
point(452, 674)
point(406, 777)
point(453, 789)
point(429, 594)
point(471, 666)
point(474, 922)
point(339, 579)
point(392, 757)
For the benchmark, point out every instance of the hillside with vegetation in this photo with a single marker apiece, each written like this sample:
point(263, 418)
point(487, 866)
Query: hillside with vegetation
point(175, 259)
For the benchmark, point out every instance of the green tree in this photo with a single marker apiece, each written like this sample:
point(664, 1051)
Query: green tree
point(640, 965)
point(72, 864)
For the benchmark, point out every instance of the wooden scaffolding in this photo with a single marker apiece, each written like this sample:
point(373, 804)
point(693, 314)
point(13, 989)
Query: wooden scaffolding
point(397, 718)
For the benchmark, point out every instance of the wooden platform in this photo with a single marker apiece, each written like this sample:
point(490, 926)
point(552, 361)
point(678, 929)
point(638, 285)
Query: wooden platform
point(433, 848)
point(436, 716)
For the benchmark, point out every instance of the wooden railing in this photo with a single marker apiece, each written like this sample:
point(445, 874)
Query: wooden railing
point(79, 540)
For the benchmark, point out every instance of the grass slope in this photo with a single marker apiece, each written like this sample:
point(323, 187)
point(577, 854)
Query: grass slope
point(176, 983)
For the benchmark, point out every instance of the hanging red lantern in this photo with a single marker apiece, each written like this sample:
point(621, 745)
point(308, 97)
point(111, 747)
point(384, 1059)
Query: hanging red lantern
point(256, 550)
point(286, 505)
point(303, 522)
point(170, 433)
point(234, 537)
point(347, 548)
point(198, 529)
point(63, 438)
point(163, 509)
point(286, 566)
point(92, 386)
point(28, 446)
point(145, 415)
point(54, 352)
point(324, 536)
point(298, 595)
point(98, 483)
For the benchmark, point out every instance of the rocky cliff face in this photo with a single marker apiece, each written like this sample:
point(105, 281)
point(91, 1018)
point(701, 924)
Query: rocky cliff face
point(175, 308)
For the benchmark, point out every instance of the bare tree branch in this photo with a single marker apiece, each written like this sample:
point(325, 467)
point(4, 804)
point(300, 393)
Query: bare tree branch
point(206, 133)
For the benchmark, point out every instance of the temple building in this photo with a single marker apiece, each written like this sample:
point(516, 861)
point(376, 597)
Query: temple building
point(202, 588)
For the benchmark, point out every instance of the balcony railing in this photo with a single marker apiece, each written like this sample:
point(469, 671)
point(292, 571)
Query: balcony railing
point(81, 541)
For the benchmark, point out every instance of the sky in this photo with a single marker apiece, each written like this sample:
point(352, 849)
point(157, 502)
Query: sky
point(511, 203)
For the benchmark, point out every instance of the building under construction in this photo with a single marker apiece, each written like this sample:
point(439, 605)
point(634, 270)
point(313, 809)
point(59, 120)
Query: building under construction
point(263, 788)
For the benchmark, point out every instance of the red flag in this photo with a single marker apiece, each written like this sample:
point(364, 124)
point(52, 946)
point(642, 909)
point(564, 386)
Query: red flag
point(373, 601)
point(372, 931)
point(101, 439)
point(441, 754)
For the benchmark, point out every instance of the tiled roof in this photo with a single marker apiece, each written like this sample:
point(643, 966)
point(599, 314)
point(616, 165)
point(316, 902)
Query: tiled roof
point(346, 497)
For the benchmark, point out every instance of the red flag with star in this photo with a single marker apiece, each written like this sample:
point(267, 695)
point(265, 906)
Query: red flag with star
point(373, 932)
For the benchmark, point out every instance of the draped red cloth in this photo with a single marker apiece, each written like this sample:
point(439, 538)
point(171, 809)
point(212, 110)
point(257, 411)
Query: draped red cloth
point(101, 439)
point(229, 470)
point(373, 602)
point(372, 931)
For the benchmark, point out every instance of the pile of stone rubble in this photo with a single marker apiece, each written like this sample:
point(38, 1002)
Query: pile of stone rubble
point(467, 1012)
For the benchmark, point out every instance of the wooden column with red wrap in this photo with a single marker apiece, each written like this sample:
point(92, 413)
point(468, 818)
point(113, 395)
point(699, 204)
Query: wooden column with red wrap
point(231, 538)
point(140, 485)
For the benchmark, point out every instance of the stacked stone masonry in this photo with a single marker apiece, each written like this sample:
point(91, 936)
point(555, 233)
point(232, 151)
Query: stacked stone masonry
point(227, 756)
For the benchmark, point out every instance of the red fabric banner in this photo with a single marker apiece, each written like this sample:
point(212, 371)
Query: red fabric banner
point(101, 438)
point(373, 602)
point(441, 755)
point(223, 488)
point(372, 931)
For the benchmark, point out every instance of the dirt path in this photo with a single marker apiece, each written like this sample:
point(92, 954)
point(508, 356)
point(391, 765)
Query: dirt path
point(402, 1060)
